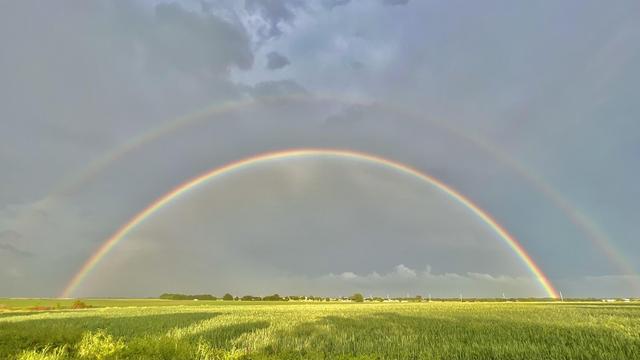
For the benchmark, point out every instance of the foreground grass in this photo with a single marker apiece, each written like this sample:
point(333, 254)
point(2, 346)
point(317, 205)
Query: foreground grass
point(236, 330)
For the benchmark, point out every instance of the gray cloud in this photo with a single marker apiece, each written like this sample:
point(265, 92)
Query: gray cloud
point(395, 2)
point(602, 286)
point(80, 81)
point(348, 115)
point(356, 65)
point(14, 250)
point(100, 74)
point(277, 88)
point(276, 60)
point(150, 65)
point(330, 4)
point(8, 237)
point(212, 44)
point(275, 13)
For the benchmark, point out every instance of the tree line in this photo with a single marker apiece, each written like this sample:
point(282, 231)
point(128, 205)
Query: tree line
point(357, 297)
point(170, 296)
point(275, 297)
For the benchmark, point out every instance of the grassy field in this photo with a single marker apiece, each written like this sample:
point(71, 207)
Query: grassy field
point(156, 329)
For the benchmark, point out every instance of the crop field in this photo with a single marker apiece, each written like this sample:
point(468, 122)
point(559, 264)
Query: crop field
point(156, 329)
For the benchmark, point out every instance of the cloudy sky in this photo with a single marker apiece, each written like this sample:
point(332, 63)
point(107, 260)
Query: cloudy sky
point(528, 109)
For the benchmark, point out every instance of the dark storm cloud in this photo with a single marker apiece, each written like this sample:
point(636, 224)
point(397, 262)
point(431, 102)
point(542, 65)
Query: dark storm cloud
point(276, 60)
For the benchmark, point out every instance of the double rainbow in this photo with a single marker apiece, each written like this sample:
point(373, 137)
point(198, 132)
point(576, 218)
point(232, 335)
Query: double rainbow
point(578, 218)
point(123, 231)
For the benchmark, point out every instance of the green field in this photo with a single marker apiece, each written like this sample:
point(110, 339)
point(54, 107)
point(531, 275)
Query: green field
point(156, 329)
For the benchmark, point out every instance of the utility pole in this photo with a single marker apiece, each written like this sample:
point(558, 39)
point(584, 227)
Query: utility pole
point(561, 297)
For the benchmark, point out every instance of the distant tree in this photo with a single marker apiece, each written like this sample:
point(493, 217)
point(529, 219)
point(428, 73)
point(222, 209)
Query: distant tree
point(167, 296)
point(227, 297)
point(357, 297)
point(274, 297)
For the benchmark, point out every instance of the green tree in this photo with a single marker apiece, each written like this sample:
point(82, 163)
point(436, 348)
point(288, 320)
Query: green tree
point(357, 297)
point(227, 297)
point(274, 297)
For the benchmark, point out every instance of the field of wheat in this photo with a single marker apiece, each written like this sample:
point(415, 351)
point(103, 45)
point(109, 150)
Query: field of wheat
point(153, 329)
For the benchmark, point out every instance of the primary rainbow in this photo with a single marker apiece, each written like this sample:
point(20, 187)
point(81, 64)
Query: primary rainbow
point(121, 233)
point(578, 218)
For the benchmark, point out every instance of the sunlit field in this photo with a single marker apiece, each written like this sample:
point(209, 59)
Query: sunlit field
point(156, 329)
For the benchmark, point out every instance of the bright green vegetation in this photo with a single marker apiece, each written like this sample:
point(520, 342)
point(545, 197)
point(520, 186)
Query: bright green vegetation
point(142, 329)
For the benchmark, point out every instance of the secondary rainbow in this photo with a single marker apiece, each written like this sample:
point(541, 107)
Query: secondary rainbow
point(122, 232)
point(577, 217)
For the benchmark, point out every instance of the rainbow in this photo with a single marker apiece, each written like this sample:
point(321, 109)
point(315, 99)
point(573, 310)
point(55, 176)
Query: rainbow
point(180, 190)
point(577, 217)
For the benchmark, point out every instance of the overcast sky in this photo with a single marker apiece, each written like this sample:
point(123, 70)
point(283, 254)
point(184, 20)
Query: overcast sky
point(528, 109)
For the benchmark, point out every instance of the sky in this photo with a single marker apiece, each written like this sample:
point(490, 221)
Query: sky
point(527, 109)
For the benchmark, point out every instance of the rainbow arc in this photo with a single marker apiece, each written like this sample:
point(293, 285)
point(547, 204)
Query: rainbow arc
point(194, 183)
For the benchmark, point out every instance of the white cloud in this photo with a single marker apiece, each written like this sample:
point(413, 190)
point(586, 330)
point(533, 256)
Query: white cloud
point(404, 271)
point(402, 280)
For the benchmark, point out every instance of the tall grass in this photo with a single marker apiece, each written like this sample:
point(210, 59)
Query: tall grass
point(327, 331)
